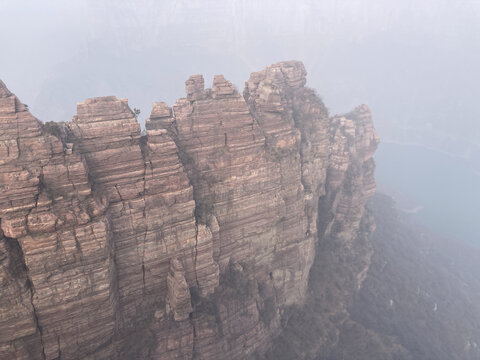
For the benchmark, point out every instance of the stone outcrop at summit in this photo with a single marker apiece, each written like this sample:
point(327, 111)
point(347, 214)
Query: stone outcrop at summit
point(194, 241)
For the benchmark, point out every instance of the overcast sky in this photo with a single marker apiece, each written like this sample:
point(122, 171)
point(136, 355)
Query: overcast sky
point(414, 62)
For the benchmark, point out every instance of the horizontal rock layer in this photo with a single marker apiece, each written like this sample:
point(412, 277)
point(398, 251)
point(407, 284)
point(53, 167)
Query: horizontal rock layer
point(193, 241)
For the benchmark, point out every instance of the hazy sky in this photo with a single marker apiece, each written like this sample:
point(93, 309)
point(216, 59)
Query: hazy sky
point(415, 62)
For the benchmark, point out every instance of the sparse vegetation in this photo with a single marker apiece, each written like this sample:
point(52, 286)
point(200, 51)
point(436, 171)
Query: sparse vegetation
point(136, 112)
point(54, 128)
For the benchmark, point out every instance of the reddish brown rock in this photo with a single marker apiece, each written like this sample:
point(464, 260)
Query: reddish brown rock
point(192, 241)
point(194, 87)
point(178, 298)
point(64, 257)
point(151, 212)
point(20, 337)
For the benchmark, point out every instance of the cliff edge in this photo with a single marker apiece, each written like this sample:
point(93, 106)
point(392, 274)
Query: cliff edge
point(194, 241)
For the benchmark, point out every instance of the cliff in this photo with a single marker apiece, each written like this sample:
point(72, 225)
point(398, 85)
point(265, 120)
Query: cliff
point(197, 240)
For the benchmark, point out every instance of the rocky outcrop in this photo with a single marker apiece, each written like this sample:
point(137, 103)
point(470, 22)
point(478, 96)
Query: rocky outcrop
point(193, 241)
point(178, 297)
point(343, 250)
point(59, 274)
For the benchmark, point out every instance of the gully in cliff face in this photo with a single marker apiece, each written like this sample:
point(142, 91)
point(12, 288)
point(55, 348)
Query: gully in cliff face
point(194, 241)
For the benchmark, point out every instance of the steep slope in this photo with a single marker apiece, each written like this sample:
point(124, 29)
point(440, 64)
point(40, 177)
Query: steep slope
point(422, 293)
point(194, 241)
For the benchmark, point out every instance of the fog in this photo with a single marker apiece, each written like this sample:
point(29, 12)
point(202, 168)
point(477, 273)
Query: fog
point(414, 62)
point(211, 236)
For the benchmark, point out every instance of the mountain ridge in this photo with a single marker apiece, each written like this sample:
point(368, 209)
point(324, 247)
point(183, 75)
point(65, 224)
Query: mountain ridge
point(190, 242)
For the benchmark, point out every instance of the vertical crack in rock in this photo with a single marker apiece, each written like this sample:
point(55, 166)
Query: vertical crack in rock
point(144, 150)
point(35, 316)
point(59, 348)
point(195, 339)
point(196, 254)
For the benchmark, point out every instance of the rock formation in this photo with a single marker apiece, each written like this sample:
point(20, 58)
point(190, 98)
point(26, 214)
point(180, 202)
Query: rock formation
point(193, 241)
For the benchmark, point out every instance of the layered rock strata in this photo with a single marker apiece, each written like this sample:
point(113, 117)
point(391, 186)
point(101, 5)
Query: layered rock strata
point(193, 241)
point(59, 279)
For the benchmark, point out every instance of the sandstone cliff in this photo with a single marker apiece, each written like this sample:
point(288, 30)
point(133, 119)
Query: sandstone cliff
point(193, 241)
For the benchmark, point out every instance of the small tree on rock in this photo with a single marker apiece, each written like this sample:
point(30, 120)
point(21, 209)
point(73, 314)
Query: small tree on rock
point(136, 112)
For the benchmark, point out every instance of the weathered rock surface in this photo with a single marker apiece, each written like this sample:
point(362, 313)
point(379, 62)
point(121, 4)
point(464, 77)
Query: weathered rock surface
point(62, 262)
point(194, 241)
point(178, 297)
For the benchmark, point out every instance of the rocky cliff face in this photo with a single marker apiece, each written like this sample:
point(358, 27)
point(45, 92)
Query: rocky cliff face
point(194, 241)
